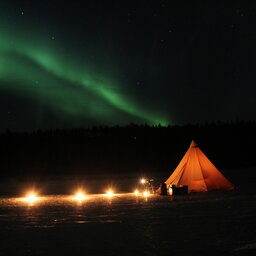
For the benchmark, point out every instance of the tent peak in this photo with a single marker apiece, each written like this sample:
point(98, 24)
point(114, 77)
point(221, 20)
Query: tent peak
point(193, 144)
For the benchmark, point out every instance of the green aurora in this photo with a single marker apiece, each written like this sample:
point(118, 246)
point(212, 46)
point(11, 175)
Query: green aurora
point(35, 69)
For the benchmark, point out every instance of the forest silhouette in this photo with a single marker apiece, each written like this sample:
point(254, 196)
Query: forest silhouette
point(124, 149)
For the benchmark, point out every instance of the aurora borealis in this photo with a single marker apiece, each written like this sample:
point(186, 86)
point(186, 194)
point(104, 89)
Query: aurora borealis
point(66, 65)
point(66, 89)
point(36, 72)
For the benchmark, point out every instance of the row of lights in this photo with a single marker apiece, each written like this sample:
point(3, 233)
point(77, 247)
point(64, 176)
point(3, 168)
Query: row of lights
point(80, 195)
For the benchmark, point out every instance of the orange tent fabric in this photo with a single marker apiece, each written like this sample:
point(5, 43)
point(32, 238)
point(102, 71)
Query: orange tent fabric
point(197, 172)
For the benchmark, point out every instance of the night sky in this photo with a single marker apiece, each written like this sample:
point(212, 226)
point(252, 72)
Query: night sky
point(72, 64)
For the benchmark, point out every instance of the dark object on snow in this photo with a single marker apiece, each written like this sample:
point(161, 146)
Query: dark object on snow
point(179, 191)
point(163, 189)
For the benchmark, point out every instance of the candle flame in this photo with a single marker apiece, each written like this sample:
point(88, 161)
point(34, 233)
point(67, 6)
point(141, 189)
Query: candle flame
point(143, 181)
point(136, 192)
point(109, 193)
point(80, 196)
point(31, 198)
point(146, 193)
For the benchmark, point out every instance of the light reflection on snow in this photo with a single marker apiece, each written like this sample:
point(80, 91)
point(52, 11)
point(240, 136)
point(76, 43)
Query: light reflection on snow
point(51, 211)
point(69, 201)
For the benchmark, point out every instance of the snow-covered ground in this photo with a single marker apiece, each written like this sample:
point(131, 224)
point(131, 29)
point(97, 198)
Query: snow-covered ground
point(214, 223)
point(125, 224)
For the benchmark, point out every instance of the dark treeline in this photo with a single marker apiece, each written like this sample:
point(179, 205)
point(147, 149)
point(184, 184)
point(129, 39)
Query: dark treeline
point(132, 149)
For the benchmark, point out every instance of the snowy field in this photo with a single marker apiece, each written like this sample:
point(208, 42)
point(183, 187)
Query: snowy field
point(215, 223)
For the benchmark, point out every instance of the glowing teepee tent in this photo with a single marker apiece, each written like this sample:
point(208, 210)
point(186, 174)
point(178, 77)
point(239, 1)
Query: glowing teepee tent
point(197, 172)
